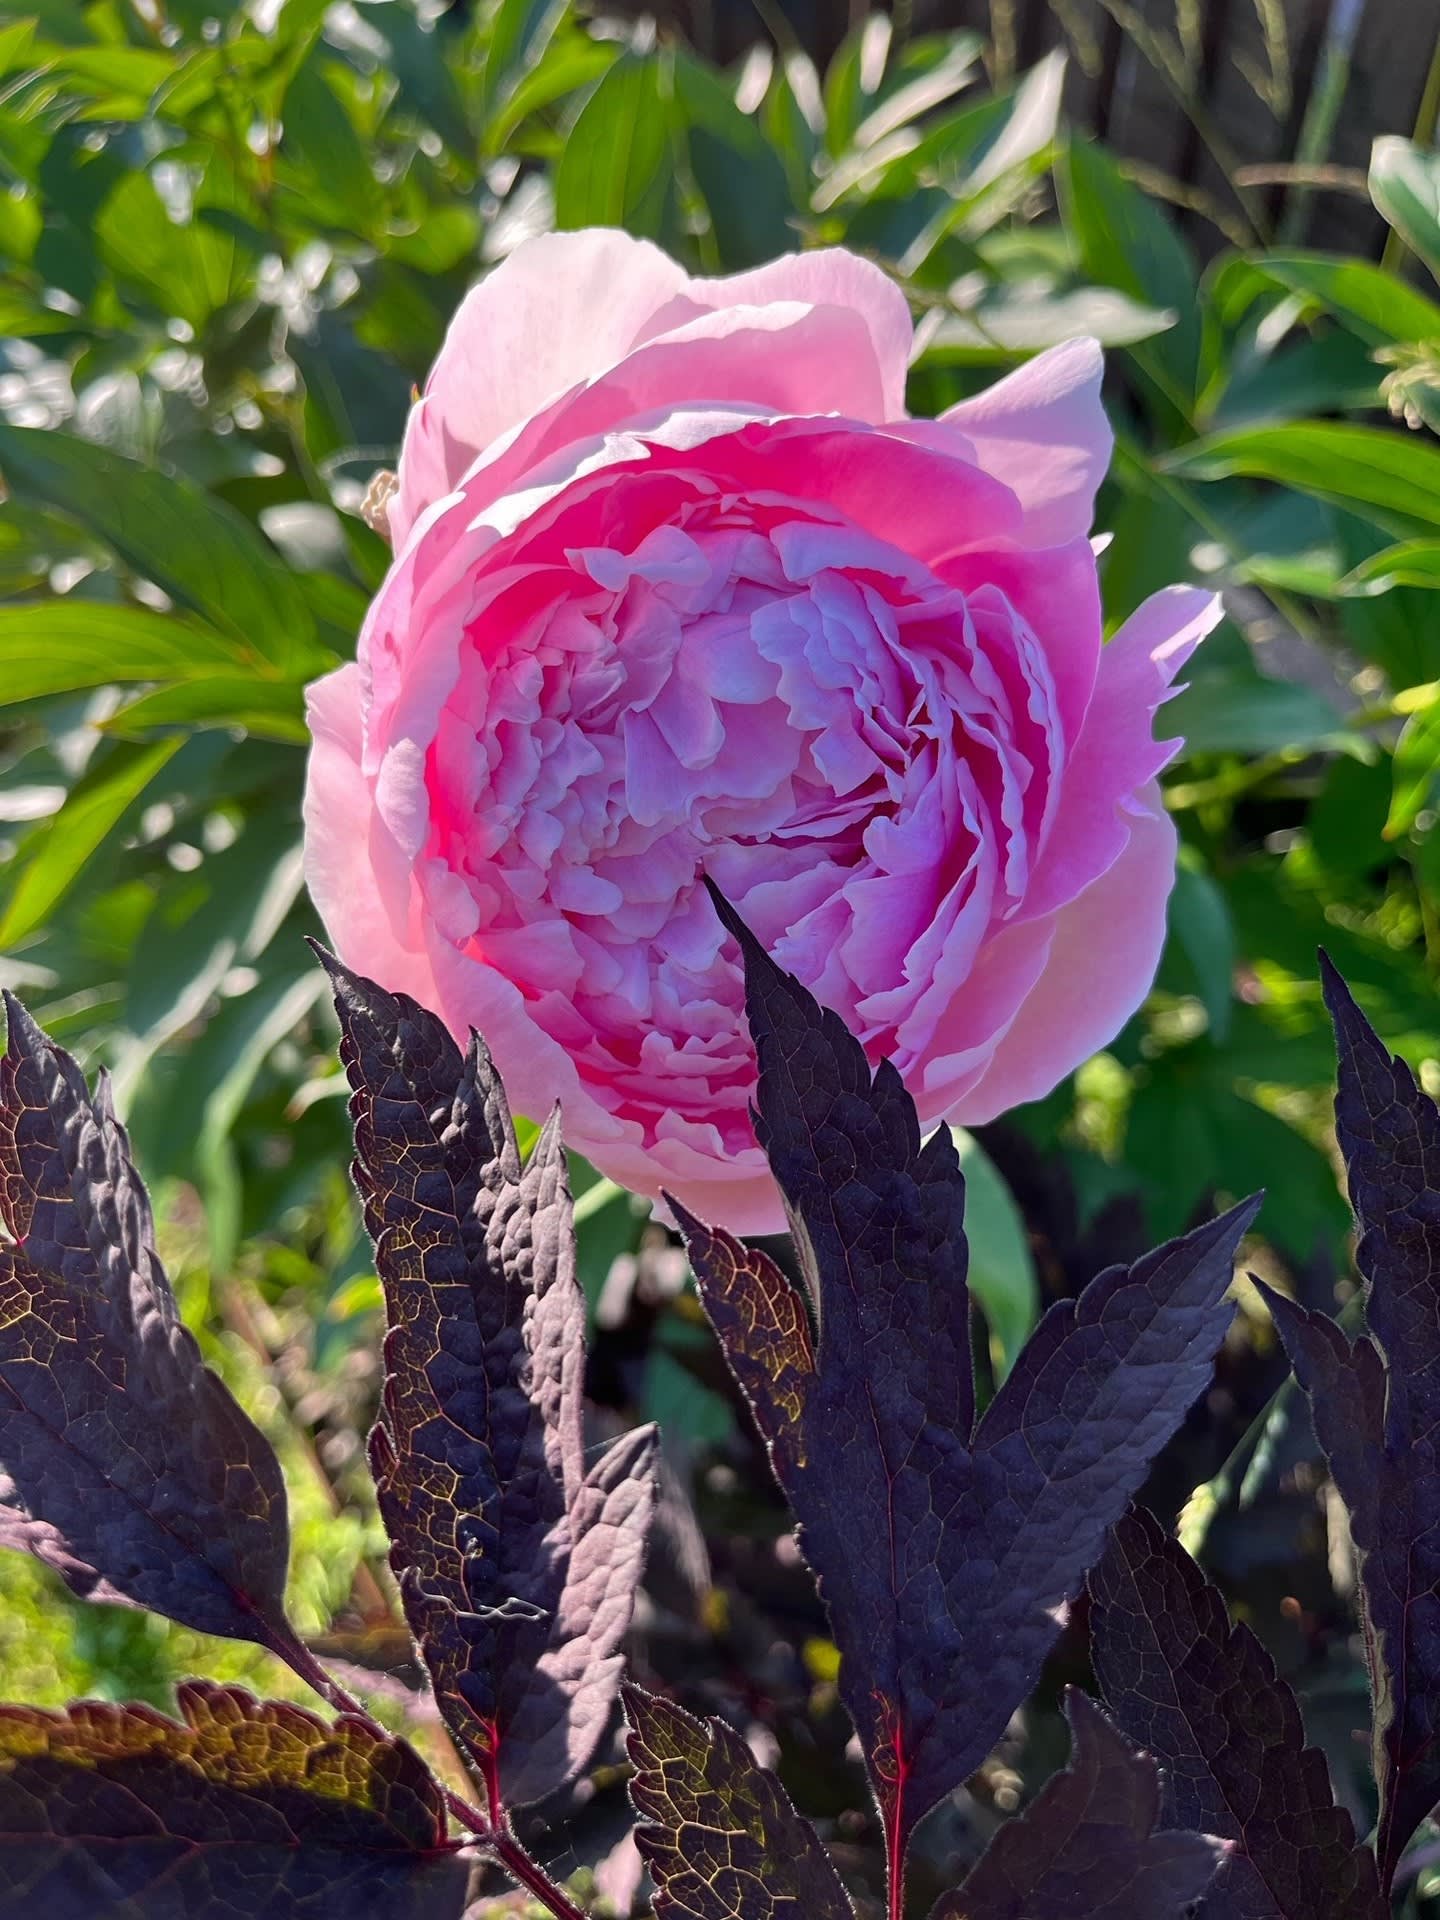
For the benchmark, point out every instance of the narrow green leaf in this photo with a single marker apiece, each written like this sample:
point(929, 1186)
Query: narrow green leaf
point(1239, 712)
point(738, 173)
point(269, 709)
point(954, 70)
point(196, 548)
point(1416, 770)
point(63, 646)
point(237, 1045)
point(615, 167)
point(1412, 563)
point(1200, 922)
point(1389, 476)
point(1377, 304)
point(1002, 1267)
point(1125, 241)
point(1405, 186)
point(520, 31)
point(55, 855)
point(185, 270)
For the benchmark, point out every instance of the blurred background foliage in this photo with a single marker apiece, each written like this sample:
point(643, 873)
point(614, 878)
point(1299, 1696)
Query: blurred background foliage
point(231, 240)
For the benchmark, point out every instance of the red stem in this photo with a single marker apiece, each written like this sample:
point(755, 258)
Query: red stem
point(492, 1836)
point(518, 1864)
point(894, 1841)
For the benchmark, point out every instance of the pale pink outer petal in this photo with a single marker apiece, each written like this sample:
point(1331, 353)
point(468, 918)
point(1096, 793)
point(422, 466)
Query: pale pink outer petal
point(782, 358)
point(567, 307)
point(829, 277)
point(1106, 949)
point(558, 309)
point(340, 867)
point(1043, 431)
point(1117, 754)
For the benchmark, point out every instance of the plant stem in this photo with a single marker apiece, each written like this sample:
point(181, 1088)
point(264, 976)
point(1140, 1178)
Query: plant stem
point(298, 1657)
point(531, 1875)
point(494, 1837)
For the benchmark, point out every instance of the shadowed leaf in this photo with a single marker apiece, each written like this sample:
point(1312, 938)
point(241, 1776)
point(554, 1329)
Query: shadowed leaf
point(1087, 1848)
point(517, 1563)
point(717, 1831)
point(1376, 1403)
point(946, 1559)
point(243, 1808)
point(124, 1462)
point(1203, 1696)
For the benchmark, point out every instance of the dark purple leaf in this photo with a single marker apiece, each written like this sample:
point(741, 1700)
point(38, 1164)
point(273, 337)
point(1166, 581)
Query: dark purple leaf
point(1203, 1696)
point(243, 1808)
point(124, 1462)
point(517, 1563)
point(1088, 1849)
point(717, 1830)
point(946, 1559)
point(1376, 1406)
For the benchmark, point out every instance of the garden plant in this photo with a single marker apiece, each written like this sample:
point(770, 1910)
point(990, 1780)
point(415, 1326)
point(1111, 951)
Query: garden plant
point(844, 684)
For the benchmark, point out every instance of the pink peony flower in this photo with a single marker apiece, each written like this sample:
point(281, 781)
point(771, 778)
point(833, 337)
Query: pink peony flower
point(680, 589)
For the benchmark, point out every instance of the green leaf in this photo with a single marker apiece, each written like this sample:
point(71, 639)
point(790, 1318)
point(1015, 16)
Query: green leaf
point(1375, 303)
point(738, 173)
point(1007, 320)
point(1390, 477)
point(1412, 563)
point(900, 105)
point(565, 70)
point(1194, 1142)
point(1416, 770)
point(1200, 923)
point(322, 156)
point(54, 856)
point(615, 170)
point(1123, 240)
point(853, 78)
point(184, 270)
point(1240, 712)
point(520, 31)
point(1347, 818)
point(196, 548)
point(66, 645)
point(1002, 1266)
point(269, 709)
point(227, 912)
point(1405, 186)
point(236, 1046)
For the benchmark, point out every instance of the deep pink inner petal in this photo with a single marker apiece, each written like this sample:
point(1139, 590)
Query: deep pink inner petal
point(682, 672)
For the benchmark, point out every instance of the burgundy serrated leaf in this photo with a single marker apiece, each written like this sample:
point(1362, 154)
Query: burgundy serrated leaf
point(717, 1830)
point(946, 1557)
point(1376, 1407)
point(125, 1463)
point(241, 1808)
point(1088, 1848)
point(517, 1563)
point(1203, 1696)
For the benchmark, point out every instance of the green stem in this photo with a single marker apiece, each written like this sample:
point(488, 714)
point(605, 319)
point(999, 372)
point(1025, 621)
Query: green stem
point(1322, 111)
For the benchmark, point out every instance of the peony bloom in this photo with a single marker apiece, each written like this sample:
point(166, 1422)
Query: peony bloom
point(679, 589)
